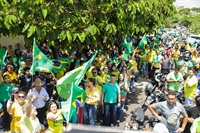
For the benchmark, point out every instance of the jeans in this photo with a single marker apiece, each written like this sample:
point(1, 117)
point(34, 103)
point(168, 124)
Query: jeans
point(120, 110)
point(188, 101)
point(89, 112)
point(109, 108)
point(131, 84)
point(1, 123)
point(41, 114)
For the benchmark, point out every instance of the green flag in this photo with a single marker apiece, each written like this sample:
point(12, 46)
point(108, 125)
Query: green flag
point(155, 44)
point(59, 64)
point(69, 106)
point(143, 43)
point(125, 56)
point(75, 76)
point(128, 45)
point(41, 62)
point(3, 54)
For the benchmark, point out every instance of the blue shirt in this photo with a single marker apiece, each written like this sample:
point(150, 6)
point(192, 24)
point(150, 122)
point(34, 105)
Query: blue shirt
point(198, 76)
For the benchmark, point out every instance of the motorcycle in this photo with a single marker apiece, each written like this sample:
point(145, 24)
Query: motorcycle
point(137, 121)
point(157, 84)
point(156, 96)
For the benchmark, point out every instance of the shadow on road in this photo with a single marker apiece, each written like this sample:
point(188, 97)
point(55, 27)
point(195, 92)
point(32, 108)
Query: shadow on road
point(133, 98)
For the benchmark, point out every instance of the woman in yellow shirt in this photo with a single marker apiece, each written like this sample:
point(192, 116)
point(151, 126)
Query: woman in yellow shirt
point(92, 97)
point(16, 109)
point(55, 118)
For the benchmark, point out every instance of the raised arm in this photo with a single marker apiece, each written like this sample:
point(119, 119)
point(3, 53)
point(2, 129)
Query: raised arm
point(29, 104)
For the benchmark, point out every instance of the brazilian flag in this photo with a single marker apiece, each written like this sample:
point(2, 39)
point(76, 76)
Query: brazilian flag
point(155, 44)
point(59, 64)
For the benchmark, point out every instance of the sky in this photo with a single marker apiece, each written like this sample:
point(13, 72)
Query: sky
point(188, 3)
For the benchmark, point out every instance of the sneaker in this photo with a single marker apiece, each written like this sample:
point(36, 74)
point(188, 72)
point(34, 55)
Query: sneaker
point(112, 125)
point(97, 123)
point(118, 122)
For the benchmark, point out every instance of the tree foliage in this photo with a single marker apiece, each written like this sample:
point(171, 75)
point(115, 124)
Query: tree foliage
point(74, 23)
point(190, 18)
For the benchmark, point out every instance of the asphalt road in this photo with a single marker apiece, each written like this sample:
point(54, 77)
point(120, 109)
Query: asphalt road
point(136, 99)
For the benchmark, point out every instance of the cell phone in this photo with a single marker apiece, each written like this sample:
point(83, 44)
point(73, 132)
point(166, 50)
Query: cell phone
point(12, 98)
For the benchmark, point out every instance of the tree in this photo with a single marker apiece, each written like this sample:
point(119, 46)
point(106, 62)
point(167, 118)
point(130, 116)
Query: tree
point(190, 18)
point(75, 23)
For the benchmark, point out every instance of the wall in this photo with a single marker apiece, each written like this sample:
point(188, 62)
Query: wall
point(8, 40)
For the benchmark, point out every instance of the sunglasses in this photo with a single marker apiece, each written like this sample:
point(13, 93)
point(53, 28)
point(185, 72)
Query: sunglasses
point(20, 96)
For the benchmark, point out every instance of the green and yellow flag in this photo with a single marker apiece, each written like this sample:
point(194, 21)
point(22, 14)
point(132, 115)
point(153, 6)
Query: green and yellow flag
point(127, 43)
point(3, 54)
point(67, 86)
point(69, 106)
point(41, 63)
point(155, 44)
point(143, 43)
point(59, 64)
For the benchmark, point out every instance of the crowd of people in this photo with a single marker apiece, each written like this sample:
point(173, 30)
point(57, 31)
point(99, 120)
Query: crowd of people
point(31, 103)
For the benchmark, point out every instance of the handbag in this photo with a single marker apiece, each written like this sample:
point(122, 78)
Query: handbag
point(173, 117)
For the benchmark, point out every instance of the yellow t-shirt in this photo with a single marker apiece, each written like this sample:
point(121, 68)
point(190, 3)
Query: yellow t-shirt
point(56, 126)
point(175, 54)
point(17, 112)
point(105, 77)
point(12, 76)
point(89, 72)
point(92, 94)
point(134, 64)
point(191, 91)
point(151, 55)
point(187, 46)
point(60, 74)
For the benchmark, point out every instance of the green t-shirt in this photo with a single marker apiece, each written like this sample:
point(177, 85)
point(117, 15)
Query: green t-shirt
point(174, 86)
point(5, 92)
point(111, 92)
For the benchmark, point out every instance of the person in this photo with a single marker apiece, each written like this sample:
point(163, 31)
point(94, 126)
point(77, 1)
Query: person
point(16, 109)
point(193, 112)
point(92, 97)
point(150, 56)
point(195, 128)
point(29, 123)
point(123, 90)
point(40, 97)
point(174, 79)
point(175, 55)
point(166, 64)
point(156, 63)
point(12, 75)
point(111, 100)
point(171, 111)
point(25, 78)
point(190, 87)
point(54, 118)
point(5, 92)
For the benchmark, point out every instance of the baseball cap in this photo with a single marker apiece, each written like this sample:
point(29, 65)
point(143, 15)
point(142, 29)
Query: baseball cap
point(15, 89)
